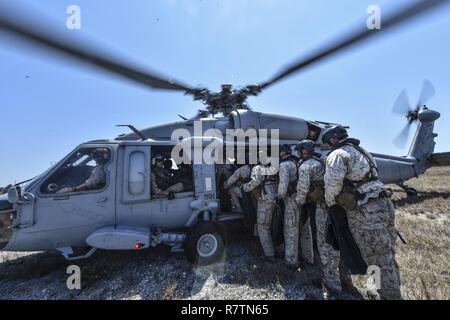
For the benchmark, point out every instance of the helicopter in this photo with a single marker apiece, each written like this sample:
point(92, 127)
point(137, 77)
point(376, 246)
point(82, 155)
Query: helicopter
point(123, 214)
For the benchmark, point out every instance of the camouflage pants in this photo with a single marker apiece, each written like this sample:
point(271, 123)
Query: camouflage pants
point(235, 194)
point(392, 232)
point(370, 227)
point(329, 258)
point(291, 230)
point(264, 220)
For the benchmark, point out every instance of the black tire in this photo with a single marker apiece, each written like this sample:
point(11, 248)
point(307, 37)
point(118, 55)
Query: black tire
point(207, 233)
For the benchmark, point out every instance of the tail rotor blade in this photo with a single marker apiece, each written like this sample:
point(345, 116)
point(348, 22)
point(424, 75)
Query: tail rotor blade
point(427, 93)
point(401, 105)
point(401, 139)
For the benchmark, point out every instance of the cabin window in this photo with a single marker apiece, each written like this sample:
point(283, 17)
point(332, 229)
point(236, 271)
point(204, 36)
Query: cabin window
point(136, 178)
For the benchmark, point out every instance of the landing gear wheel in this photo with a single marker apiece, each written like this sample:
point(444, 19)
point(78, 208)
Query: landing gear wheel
point(204, 244)
point(410, 192)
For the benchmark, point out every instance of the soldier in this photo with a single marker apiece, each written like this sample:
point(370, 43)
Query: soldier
point(97, 177)
point(233, 184)
point(286, 197)
point(162, 182)
point(310, 190)
point(264, 178)
point(351, 181)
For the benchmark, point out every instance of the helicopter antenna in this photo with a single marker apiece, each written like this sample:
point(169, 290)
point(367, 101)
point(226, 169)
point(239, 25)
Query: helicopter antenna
point(135, 130)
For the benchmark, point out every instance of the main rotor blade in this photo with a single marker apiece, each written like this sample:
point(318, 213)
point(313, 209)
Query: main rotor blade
point(427, 93)
point(401, 139)
point(401, 105)
point(356, 37)
point(88, 54)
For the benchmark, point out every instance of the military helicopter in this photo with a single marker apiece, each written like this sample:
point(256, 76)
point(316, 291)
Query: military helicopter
point(123, 214)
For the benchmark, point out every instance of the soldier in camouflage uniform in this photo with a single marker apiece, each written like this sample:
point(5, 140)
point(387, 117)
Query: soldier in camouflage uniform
point(264, 178)
point(286, 194)
point(351, 181)
point(233, 184)
point(97, 177)
point(162, 183)
point(310, 190)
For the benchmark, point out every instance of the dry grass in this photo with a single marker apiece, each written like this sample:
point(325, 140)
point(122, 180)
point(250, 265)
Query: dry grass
point(424, 221)
point(157, 274)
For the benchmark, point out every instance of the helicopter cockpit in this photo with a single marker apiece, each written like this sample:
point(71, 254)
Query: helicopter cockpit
point(85, 168)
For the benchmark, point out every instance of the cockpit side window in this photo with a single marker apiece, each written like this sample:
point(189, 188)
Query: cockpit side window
point(83, 171)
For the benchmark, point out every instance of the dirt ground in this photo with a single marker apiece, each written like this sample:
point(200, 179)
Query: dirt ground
point(156, 273)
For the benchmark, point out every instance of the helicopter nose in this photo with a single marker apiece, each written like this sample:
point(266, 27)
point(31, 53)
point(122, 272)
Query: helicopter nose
point(6, 221)
point(5, 230)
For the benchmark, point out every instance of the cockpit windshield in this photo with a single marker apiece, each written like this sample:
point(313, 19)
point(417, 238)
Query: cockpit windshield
point(84, 170)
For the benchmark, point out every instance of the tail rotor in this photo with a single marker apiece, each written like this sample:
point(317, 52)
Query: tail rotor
point(403, 107)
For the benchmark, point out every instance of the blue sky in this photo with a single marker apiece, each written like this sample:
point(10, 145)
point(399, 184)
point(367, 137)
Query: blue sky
point(48, 106)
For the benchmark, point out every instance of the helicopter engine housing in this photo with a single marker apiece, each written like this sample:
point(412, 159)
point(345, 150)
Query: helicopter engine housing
point(290, 128)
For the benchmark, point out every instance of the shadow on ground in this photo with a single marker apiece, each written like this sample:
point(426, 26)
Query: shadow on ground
point(159, 274)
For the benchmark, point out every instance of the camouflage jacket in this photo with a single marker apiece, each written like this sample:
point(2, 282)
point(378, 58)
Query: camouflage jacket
point(239, 175)
point(308, 171)
point(97, 177)
point(287, 176)
point(262, 176)
point(346, 162)
point(160, 179)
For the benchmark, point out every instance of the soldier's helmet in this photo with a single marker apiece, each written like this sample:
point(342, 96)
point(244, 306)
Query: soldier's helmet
point(285, 148)
point(100, 155)
point(307, 145)
point(157, 158)
point(338, 132)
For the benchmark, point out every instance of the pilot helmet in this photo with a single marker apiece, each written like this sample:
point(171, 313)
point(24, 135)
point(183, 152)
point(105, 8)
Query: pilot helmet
point(157, 158)
point(286, 148)
point(100, 155)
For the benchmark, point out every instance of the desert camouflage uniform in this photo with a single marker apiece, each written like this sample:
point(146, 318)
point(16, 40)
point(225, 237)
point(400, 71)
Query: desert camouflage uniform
point(266, 203)
point(287, 177)
point(161, 181)
point(97, 177)
point(233, 183)
point(371, 224)
point(310, 171)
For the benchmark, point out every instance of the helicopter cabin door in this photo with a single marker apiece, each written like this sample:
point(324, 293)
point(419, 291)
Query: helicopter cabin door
point(133, 186)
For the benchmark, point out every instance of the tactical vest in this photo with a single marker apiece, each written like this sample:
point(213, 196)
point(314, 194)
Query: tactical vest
point(162, 178)
point(268, 180)
point(316, 192)
point(350, 195)
point(292, 187)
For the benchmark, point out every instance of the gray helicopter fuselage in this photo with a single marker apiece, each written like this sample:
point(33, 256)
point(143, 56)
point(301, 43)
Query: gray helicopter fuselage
point(49, 221)
point(124, 213)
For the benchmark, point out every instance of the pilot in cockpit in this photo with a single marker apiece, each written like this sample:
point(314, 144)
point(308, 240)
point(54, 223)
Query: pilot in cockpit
point(97, 177)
